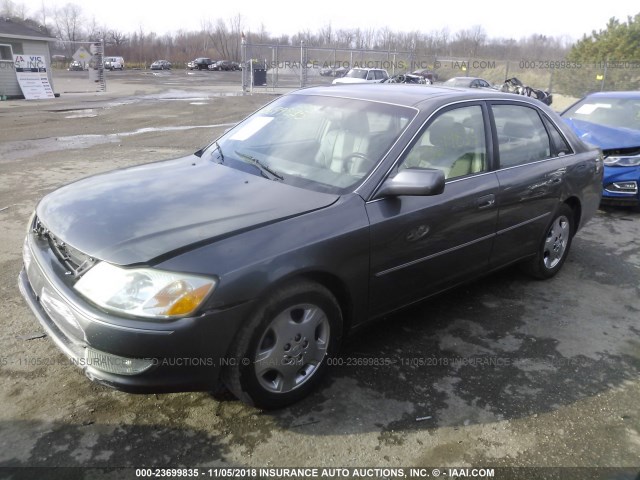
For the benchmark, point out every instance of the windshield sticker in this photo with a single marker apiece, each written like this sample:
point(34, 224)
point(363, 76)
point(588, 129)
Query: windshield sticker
point(296, 111)
point(589, 108)
point(251, 127)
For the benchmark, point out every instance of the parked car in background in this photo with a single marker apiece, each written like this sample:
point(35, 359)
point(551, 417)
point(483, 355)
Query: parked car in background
point(114, 63)
point(333, 71)
point(427, 74)
point(611, 121)
point(467, 82)
point(217, 65)
point(200, 63)
point(363, 75)
point(161, 65)
point(251, 259)
point(224, 65)
point(407, 78)
point(76, 66)
point(340, 72)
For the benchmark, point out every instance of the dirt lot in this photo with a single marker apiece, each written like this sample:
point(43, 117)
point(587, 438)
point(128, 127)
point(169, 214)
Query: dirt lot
point(504, 372)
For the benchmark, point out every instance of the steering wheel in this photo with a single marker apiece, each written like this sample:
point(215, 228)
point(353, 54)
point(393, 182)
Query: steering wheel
point(350, 159)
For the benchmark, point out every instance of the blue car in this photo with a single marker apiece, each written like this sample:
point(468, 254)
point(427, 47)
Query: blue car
point(611, 121)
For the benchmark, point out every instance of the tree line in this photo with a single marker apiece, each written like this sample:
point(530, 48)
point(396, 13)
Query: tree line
point(221, 38)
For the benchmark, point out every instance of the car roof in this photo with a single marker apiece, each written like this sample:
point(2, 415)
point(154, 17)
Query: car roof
point(411, 95)
point(626, 94)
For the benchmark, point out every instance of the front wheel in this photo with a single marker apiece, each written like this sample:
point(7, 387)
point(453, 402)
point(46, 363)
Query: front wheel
point(280, 354)
point(554, 245)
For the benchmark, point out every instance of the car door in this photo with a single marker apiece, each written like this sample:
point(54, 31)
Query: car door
point(422, 244)
point(531, 175)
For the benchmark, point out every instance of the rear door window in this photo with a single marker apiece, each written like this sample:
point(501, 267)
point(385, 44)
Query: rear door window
point(522, 137)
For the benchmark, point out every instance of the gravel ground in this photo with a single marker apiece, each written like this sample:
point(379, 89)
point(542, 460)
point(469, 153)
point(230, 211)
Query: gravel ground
point(504, 372)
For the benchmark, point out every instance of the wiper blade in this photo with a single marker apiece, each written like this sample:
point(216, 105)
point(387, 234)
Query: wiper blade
point(220, 152)
point(263, 168)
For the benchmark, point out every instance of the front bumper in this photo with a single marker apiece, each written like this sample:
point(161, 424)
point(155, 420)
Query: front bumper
point(187, 354)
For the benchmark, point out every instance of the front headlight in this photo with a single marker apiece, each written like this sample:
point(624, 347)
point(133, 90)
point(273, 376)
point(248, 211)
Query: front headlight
point(144, 292)
point(620, 161)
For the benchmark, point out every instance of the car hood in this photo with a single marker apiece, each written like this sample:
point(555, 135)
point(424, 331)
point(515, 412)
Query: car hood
point(351, 80)
point(135, 215)
point(605, 137)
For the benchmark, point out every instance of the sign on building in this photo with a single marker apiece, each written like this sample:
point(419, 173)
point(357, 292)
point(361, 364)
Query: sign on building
point(31, 71)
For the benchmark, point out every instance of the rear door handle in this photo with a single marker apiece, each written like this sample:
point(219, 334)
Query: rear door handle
point(556, 176)
point(486, 201)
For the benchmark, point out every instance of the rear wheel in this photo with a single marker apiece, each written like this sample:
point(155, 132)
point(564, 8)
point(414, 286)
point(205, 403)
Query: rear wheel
point(554, 245)
point(280, 354)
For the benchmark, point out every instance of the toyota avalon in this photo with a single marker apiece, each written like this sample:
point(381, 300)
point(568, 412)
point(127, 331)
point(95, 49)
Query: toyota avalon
point(247, 262)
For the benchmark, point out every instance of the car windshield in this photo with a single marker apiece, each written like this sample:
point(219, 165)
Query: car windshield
point(458, 82)
point(321, 143)
point(609, 111)
point(357, 74)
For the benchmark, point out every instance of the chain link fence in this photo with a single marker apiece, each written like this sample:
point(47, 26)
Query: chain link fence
point(287, 66)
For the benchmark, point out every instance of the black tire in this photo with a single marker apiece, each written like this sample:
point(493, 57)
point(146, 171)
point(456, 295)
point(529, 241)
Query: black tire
point(554, 245)
point(280, 354)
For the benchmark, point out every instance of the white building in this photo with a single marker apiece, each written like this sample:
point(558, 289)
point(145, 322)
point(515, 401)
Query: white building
point(15, 39)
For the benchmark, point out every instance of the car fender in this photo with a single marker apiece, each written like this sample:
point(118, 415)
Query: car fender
point(582, 184)
point(330, 243)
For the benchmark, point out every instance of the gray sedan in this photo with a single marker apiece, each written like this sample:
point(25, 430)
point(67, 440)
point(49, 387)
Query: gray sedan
point(248, 261)
point(467, 82)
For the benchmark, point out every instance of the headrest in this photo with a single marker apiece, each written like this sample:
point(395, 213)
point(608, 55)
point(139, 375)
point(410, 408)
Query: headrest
point(447, 134)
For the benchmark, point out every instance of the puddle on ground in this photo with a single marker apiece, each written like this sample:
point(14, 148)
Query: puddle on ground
point(88, 113)
point(174, 95)
point(171, 95)
point(27, 148)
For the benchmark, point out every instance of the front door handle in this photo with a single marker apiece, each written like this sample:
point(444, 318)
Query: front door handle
point(486, 201)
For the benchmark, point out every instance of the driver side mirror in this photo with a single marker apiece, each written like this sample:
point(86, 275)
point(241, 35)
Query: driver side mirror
point(413, 182)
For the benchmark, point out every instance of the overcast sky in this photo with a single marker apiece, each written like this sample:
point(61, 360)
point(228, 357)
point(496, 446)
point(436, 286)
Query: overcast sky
point(509, 19)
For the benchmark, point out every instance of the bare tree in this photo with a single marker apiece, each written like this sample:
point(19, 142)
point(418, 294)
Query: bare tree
point(346, 38)
point(325, 35)
point(94, 31)
point(386, 39)
point(222, 38)
point(263, 35)
point(43, 17)
point(68, 24)
point(237, 26)
point(117, 38)
point(469, 41)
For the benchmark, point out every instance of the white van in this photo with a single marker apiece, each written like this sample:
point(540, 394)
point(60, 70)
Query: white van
point(114, 63)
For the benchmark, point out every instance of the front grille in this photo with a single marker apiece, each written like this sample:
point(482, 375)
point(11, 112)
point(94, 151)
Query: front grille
point(75, 262)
